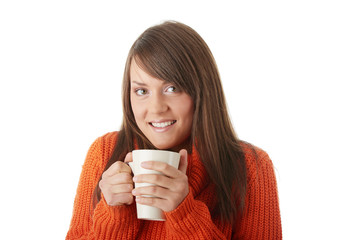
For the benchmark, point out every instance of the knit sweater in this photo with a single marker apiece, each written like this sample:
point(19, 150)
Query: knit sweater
point(192, 219)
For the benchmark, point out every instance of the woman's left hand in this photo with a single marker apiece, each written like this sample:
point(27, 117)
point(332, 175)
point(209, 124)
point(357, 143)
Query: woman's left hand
point(170, 189)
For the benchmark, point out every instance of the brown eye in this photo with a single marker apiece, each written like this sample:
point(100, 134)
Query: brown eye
point(172, 89)
point(140, 92)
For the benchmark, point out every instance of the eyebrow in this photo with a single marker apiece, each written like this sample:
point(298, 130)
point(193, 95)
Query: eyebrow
point(139, 83)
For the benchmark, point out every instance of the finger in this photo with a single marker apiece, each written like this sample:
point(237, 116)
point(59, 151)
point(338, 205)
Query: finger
point(120, 178)
point(128, 157)
point(162, 167)
point(115, 168)
point(121, 198)
point(112, 170)
point(121, 188)
point(157, 179)
point(155, 191)
point(183, 161)
point(163, 204)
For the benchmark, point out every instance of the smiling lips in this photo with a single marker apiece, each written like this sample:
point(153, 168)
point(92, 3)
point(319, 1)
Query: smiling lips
point(162, 124)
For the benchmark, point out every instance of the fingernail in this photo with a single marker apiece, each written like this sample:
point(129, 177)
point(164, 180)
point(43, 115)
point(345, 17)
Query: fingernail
point(145, 164)
point(135, 178)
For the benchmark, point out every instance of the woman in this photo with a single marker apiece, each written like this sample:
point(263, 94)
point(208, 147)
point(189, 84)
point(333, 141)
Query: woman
point(173, 99)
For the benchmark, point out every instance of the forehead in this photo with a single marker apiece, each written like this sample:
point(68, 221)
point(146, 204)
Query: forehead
point(141, 77)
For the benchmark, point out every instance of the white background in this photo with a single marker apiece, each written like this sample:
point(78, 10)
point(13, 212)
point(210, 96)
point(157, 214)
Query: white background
point(290, 71)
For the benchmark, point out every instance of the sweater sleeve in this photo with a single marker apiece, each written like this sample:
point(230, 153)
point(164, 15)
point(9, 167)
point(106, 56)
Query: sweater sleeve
point(104, 222)
point(261, 219)
point(192, 220)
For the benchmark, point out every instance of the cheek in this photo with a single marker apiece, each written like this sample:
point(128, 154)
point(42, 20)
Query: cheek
point(187, 110)
point(137, 108)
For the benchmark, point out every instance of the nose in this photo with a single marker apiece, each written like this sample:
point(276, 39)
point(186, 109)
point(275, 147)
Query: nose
point(157, 104)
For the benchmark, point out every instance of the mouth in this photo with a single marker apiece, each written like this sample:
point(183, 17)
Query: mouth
point(162, 124)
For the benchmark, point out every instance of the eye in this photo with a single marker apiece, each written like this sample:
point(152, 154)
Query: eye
point(172, 89)
point(140, 91)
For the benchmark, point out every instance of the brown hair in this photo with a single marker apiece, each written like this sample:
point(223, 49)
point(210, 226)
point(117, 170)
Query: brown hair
point(175, 53)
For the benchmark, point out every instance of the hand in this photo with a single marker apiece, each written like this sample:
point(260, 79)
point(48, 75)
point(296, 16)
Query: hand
point(116, 183)
point(170, 189)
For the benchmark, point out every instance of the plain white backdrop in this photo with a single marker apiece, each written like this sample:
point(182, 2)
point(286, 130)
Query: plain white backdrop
point(290, 71)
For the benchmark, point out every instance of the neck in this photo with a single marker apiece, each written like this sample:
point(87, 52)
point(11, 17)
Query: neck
point(187, 145)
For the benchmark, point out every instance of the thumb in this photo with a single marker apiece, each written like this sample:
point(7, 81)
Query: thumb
point(128, 157)
point(183, 160)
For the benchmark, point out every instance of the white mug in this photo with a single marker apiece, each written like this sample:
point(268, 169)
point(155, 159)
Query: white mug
point(146, 212)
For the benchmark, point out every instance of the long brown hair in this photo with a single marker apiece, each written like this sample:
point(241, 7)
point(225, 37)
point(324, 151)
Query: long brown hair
point(176, 53)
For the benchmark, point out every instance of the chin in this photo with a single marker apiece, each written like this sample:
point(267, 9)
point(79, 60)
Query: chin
point(163, 146)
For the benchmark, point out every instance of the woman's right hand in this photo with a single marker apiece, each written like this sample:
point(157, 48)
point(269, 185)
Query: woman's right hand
point(116, 183)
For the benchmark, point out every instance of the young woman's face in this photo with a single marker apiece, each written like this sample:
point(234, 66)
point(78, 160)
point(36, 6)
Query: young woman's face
point(162, 111)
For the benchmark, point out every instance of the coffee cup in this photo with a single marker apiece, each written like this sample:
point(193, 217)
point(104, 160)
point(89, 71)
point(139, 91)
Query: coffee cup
point(146, 212)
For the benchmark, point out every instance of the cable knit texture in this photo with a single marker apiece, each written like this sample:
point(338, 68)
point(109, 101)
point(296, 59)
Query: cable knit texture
point(192, 218)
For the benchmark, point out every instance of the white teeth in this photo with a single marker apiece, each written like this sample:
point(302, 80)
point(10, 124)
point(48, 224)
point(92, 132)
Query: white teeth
point(163, 124)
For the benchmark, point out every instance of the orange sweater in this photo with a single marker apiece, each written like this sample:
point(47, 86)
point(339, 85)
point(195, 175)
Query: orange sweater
point(192, 218)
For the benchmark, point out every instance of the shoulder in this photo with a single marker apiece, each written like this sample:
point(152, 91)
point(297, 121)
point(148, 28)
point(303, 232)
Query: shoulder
point(257, 160)
point(106, 142)
point(108, 138)
point(101, 149)
point(252, 152)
